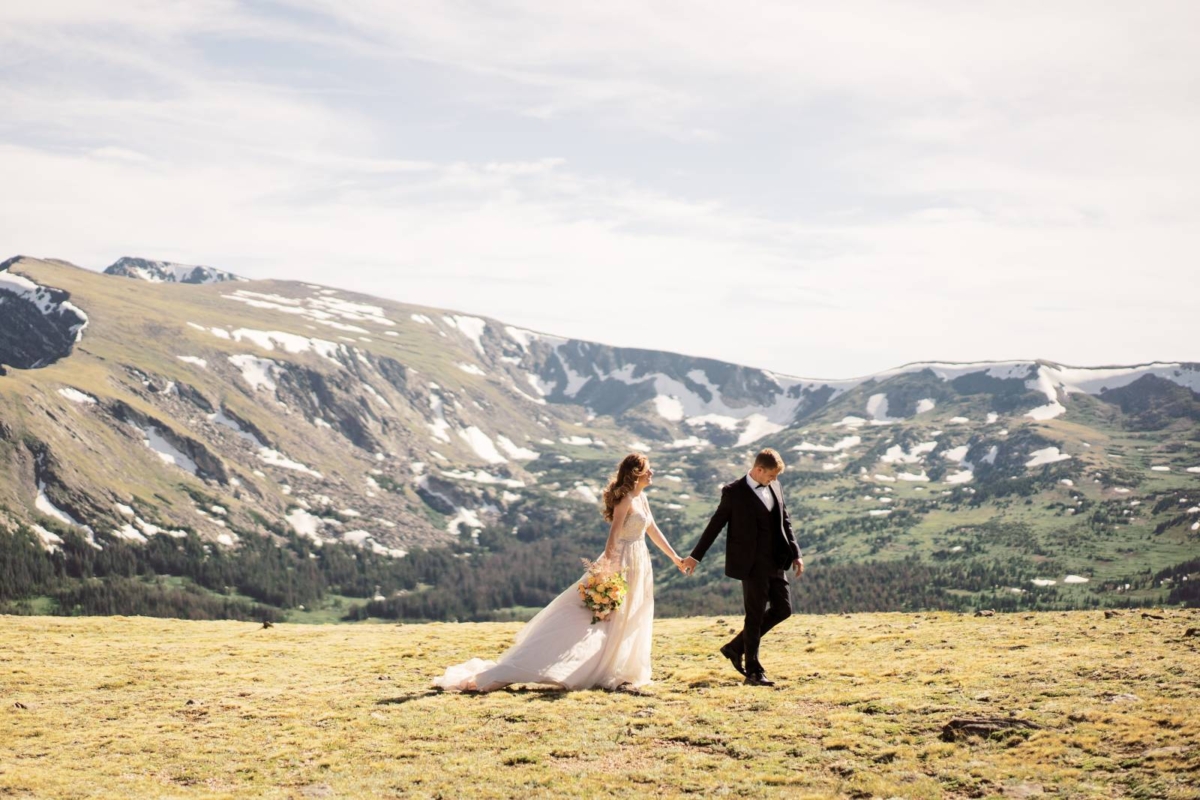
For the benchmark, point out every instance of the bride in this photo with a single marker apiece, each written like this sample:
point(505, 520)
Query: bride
point(560, 645)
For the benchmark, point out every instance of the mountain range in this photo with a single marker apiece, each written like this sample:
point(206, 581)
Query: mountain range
point(158, 402)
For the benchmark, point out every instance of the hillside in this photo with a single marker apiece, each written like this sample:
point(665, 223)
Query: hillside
point(125, 707)
point(242, 448)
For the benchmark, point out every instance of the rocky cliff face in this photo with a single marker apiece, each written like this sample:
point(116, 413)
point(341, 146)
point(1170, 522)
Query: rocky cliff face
point(38, 324)
point(167, 272)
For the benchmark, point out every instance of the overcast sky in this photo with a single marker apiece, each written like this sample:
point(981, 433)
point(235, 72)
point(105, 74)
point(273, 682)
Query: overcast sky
point(821, 189)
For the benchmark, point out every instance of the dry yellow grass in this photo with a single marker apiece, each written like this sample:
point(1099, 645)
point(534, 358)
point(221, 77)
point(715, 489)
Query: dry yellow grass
point(131, 707)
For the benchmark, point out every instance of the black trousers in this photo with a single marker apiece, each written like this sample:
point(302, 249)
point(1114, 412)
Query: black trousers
point(765, 594)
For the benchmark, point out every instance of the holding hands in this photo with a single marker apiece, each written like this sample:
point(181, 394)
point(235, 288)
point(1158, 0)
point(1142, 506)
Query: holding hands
point(688, 565)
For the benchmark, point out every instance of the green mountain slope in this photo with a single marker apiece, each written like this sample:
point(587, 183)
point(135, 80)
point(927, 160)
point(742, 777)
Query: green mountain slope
point(289, 444)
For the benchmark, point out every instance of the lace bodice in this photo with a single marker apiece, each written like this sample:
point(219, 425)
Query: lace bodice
point(636, 521)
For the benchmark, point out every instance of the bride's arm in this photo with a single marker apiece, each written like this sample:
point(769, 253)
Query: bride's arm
point(660, 540)
point(618, 520)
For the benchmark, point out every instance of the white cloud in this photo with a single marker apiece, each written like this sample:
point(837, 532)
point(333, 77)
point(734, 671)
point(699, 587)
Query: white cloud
point(961, 183)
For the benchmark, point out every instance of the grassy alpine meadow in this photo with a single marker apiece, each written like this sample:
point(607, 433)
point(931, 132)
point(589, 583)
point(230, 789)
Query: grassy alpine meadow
point(139, 707)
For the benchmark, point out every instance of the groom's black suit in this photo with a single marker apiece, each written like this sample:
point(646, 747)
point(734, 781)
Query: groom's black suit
point(758, 550)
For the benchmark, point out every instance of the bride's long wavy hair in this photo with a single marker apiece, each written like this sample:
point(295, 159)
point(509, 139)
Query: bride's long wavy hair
point(623, 482)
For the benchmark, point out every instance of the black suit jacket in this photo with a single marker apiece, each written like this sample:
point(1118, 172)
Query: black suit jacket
point(739, 509)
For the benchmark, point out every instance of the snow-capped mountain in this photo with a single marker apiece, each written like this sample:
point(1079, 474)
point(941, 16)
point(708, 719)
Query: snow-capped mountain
point(254, 408)
point(703, 394)
point(167, 272)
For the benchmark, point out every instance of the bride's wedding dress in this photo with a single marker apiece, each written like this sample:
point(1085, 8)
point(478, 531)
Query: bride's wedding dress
point(561, 646)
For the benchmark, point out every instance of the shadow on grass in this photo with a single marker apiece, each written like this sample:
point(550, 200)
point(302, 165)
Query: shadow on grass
point(407, 698)
point(548, 694)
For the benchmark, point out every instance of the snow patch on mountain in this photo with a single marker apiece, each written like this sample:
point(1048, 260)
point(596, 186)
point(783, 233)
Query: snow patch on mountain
point(484, 447)
point(754, 427)
point(669, 408)
point(43, 504)
point(539, 401)
point(194, 361)
point(719, 420)
point(578, 441)
point(277, 459)
point(962, 476)
point(1046, 412)
point(290, 343)
point(50, 541)
point(76, 396)
point(1044, 383)
point(486, 478)
point(439, 427)
point(153, 438)
point(877, 410)
point(366, 540)
point(346, 309)
point(956, 454)
point(259, 373)
point(514, 451)
point(129, 534)
point(470, 327)
point(844, 443)
point(1047, 455)
point(305, 524)
point(464, 516)
point(220, 418)
point(521, 336)
point(926, 405)
point(757, 426)
point(369, 389)
point(322, 309)
point(915, 455)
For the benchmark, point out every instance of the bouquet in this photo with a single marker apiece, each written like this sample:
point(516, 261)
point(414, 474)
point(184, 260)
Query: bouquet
point(602, 589)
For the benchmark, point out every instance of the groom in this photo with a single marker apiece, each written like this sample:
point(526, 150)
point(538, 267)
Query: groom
point(759, 548)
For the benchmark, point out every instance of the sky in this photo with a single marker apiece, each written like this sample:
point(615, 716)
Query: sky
point(822, 189)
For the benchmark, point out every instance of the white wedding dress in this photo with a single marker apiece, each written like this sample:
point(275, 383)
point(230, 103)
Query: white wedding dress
point(561, 646)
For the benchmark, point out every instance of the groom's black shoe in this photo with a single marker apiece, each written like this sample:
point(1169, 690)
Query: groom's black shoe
point(758, 679)
point(734, 657)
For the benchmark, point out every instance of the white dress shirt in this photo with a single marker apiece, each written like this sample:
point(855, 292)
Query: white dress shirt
point(764, 493)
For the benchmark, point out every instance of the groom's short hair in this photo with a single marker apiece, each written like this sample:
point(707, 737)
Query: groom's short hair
point(769, 459)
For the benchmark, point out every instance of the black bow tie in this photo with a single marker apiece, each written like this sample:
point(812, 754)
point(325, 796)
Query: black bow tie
point(763, 485)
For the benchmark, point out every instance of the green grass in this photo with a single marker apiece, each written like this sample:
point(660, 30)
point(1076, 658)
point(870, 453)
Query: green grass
point(131, 707)
point(331, 609)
